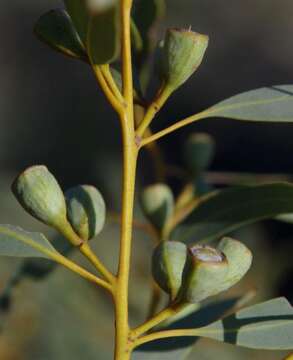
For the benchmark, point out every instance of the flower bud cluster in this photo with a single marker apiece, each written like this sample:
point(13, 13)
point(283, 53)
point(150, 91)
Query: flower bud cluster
point(192, 274)
point(82, 208)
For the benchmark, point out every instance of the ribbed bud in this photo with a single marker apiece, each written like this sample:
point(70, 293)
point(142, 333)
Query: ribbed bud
point(182, 54)
point(39, 193)
point(199, 150)
point(205, 270)
point(86, 210)
point(239, 258)
point(168, 262)
point(157, 202)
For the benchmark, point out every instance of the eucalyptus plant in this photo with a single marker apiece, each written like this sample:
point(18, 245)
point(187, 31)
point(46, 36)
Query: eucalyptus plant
point(194, 258)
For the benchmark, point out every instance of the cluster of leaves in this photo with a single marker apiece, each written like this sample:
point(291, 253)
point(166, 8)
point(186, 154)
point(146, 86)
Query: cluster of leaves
point(202, 215)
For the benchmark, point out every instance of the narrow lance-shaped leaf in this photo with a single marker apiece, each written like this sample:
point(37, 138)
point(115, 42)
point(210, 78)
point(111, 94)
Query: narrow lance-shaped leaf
point(273, 104)
point(224, 211)
point(179, 347)
point(268, 325)
point(56, 29)
point(16, 242)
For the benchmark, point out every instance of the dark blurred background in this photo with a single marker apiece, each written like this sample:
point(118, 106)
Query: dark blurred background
point(52, 112)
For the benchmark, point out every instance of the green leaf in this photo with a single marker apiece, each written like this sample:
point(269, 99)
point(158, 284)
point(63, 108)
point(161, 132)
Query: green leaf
point(103, 41)
point(268, 325)
point(222, 212)
point(273, 103)
point(56, 29)
point(16, 242)
point(179, 347)
point(189, 311)
point(34, 268)
point(80, 17)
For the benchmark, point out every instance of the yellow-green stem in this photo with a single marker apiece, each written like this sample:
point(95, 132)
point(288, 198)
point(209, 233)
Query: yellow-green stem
point(115, 103)
point(111, 82)
point(67, 231)
point(136, 224)
point(81, 271)
point(165, 334)
point(130, 153)
point(74, 239)
point(157, 319)
point(152, 148)
point(176, 126)
point(156, 105)
point(126, 55)
point(86, 250)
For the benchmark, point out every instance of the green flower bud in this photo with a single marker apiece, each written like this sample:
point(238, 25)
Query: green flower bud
point(157, 202)
point(239, 259)
point(168, 262)
point(39, 193)
point(199, 150)
point(205, 270)
point(182, 55)
point(86, 210)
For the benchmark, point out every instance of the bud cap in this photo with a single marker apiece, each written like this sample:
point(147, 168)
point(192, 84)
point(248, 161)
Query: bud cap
point(205, 269)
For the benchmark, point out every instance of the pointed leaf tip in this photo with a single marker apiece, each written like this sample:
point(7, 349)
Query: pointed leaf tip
point(267, 104)
point(15, 241)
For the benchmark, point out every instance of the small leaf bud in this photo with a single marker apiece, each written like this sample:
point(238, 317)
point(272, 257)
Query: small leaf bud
point(182, 54)
point(168, 262)
point(157, 202)
point(86, 210)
